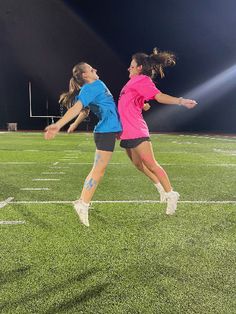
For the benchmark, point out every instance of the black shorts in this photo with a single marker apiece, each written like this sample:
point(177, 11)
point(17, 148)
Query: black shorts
point(133, 142)
point(105, 141)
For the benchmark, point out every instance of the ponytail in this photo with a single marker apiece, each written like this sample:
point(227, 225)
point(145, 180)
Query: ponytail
point(154, 64)
point(76, 82)
point(161, 60)
point(67, 99)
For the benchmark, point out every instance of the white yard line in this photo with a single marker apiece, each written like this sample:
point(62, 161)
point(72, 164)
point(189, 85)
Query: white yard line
point(38, 179)
point(91, 163)
point(53, 172)
point(123, 201)
point(18, 163)
point(12, 222)
point(121, 163)
point(35, 189)
point(55, 167)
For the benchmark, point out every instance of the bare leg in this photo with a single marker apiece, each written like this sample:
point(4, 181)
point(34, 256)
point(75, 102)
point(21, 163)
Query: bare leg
point(81, 206)
point(136, 160)
point(145, 152)
point(101, 161)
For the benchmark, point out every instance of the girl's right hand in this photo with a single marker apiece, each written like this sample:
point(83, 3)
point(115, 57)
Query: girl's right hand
point(72, 127)
point(51, 131)
point(187, 103)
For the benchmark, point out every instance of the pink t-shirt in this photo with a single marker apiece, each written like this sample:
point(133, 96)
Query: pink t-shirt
point(138, 89)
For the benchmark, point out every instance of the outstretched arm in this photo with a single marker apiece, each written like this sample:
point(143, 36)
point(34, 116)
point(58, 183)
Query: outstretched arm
point(170, 100)
point(53, 129)
point(82, 115)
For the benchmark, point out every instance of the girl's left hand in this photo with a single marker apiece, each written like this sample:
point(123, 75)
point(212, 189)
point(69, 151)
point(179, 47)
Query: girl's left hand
point(51, 131)
point(146, 106)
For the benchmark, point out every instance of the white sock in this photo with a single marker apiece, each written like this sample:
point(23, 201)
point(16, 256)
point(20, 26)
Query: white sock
point(159, 186)
point(82, 204)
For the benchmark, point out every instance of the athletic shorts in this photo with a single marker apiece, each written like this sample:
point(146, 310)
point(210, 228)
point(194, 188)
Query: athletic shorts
point(105, 141)
point(132, 143)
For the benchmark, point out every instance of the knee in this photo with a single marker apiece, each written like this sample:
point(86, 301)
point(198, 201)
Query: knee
point(139, 165)
point(151, 165)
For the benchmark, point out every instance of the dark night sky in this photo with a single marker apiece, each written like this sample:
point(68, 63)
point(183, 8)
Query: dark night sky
point(41, 40)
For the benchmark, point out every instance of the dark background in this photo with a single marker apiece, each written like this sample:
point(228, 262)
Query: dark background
point(41, 40)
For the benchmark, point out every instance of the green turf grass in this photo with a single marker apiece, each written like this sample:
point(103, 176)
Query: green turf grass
point(133, 258)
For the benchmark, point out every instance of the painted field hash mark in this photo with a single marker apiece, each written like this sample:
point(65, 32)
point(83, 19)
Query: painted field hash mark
point(7, 201)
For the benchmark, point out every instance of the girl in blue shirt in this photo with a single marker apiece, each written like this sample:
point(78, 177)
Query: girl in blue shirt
point(87, 92)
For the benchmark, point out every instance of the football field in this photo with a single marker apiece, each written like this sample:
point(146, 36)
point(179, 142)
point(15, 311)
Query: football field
point(133, 258)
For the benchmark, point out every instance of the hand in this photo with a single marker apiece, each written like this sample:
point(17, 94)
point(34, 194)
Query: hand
point(51, 131)
point(72, 127)
point(146, 106)
point(188, 103)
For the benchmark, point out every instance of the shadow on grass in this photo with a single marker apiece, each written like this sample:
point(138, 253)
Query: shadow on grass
point(47, 290)
point(33, 218)
point(13, 275)
point(78, 300)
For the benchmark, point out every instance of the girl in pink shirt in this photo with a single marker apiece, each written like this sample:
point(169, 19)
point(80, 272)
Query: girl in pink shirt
point(135, 135)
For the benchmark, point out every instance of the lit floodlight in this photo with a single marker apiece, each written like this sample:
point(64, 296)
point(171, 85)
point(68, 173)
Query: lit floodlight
point(205, 94)
point(214, 87)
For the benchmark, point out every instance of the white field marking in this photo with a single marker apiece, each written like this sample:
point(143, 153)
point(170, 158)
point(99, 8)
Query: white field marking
point(5, 202)
point(91, 163)
point(30, 150)
point(55, 163)
point(12, 222)
point(221, 137)
point(18, 162)
point(162, 164)
point(200, 165)
point(123, 201)
point(59, 167)
point(71, 154)
point(53, 172)
point(35, 189)
point(183, 143)
point(48, 179)
point(227, 152)
point(121, 163)
point(67, 159)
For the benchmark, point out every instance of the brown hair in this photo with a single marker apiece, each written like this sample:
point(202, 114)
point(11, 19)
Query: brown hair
point(76, 82)
point(154, 64)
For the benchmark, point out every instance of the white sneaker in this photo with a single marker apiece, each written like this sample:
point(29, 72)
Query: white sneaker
point(172, 200)
point(82, 210)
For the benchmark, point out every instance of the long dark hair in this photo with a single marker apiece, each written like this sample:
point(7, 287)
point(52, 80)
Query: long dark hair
point(153, 65)
point(76, 82)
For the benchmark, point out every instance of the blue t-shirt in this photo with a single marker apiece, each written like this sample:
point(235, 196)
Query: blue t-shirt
point(99, 99)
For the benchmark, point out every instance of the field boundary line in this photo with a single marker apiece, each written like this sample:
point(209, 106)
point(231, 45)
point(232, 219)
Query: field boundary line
point(12, 222)
point(122, 201)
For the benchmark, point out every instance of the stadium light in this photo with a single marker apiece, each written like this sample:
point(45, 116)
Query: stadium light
point(214, 87)
point(205, 94)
